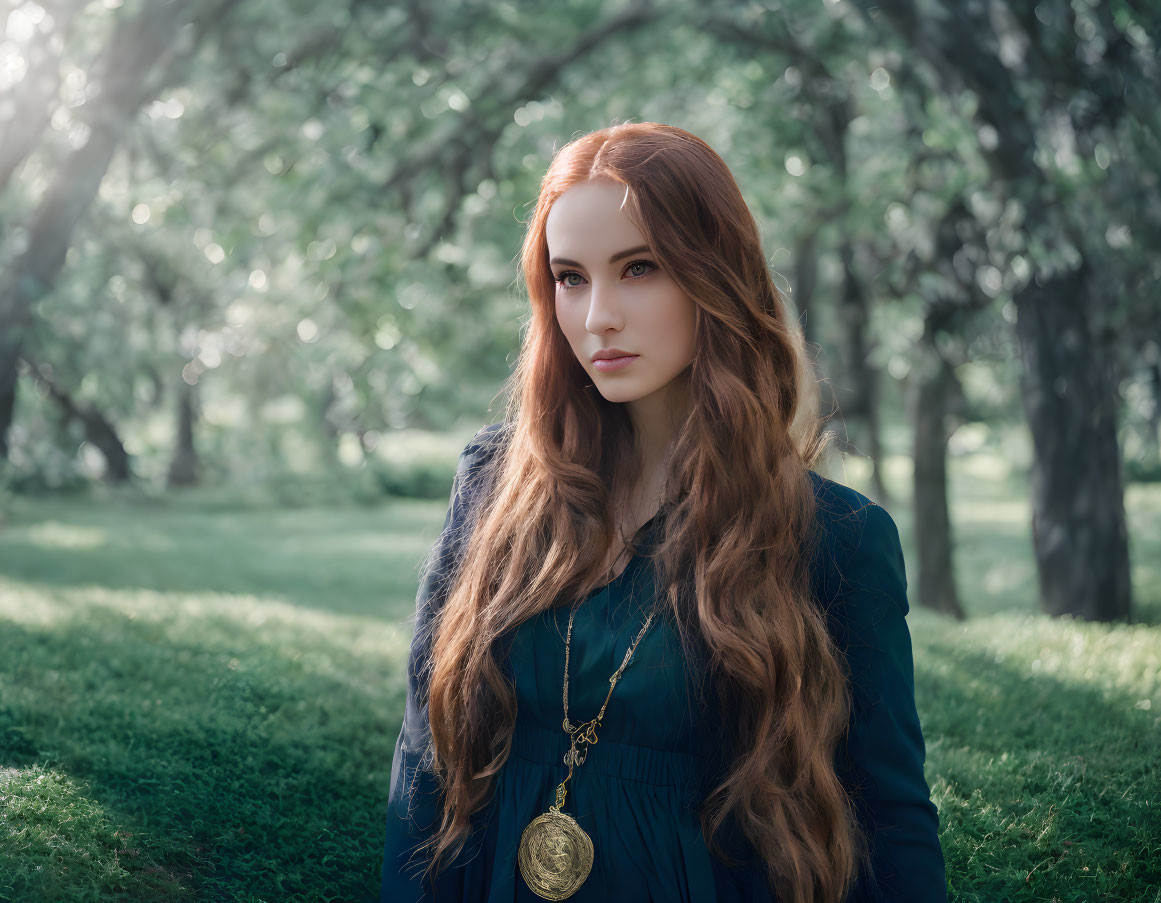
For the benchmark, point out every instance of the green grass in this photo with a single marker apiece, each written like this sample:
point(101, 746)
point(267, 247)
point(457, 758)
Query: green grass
point(199, 703)
point(1043, 742)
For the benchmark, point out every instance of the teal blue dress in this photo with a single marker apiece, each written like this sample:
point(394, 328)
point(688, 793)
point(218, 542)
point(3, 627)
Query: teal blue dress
point(659, 750)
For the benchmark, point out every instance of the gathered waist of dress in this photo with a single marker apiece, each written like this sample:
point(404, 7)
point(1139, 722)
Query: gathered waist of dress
point(681, 771)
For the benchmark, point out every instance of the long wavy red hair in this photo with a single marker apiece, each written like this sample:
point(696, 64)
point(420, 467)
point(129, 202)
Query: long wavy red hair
point(732, 562)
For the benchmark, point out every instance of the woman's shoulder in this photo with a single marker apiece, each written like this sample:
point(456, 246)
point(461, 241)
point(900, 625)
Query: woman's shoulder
point(472, 473)
point(485, 442)
point(857, 542)
point(481, 448)
point(843, 513)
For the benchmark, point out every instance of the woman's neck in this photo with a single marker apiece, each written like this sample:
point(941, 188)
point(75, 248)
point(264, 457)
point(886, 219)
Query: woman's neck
point(656, 419)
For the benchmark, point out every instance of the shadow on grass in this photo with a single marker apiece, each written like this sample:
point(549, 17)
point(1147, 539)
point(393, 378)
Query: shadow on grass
point(1045, 784)
point(241, 771)
point(60, 845)
point(343, 561)
point(247, 767)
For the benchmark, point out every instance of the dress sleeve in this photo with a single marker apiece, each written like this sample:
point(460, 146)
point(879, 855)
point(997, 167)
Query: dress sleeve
point(881, 758)
point(413, 803)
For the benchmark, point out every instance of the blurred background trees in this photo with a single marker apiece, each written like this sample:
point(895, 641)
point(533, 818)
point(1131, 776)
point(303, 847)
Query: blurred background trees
point(254, 240)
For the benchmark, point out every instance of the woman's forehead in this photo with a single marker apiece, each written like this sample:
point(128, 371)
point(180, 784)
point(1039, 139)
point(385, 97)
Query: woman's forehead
point(590, 223)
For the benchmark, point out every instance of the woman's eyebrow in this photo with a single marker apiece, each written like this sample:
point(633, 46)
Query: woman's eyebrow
point(640, 249)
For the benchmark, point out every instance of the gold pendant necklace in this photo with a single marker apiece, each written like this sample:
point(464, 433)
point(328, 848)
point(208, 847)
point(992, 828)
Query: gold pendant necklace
point(555, 853)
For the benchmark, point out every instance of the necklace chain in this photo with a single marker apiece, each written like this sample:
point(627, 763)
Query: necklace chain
point(584, 734)
point(612, 680)
point(555, 854)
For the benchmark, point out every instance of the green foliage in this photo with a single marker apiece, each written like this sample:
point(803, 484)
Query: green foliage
point(325, 204)
point(419, 480)
point(1143, 471)
point(315, 225)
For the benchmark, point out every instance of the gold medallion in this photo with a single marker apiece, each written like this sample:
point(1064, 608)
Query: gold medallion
point(555, 855)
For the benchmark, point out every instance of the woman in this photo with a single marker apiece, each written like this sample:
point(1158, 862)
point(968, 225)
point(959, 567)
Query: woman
point(740, 720)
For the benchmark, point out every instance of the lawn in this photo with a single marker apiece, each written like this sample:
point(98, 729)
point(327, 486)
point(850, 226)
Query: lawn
point(201, 703)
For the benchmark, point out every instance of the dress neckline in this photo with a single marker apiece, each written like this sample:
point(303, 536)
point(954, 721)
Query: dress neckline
point(633, 559)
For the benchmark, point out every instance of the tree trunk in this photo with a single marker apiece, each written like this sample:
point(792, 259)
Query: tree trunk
point(7, 404)
point(1153, 431)
point(865, 398)
point(934, 384)
point(1078, 520)
point(805, 280)
point(805, 283)
point(183, 470)
point(100, 432)
point(98, 429)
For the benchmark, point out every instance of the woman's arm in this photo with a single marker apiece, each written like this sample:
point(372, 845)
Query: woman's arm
point(881, 759)
point(413, 804)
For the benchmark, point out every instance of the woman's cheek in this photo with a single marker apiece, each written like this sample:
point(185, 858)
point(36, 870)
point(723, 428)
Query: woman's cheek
point(564, 321)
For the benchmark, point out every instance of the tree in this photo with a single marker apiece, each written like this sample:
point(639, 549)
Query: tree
point(1069, 390)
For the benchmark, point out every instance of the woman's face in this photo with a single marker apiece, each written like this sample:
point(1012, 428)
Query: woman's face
point(610, 293)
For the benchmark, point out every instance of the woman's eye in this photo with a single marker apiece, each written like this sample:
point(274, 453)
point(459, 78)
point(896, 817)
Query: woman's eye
point(648, 265)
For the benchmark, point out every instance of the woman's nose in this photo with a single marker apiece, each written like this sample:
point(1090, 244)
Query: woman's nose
point(604, 310)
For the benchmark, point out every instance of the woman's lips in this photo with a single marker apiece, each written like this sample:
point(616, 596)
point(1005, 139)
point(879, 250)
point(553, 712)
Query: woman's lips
point(615, 363)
